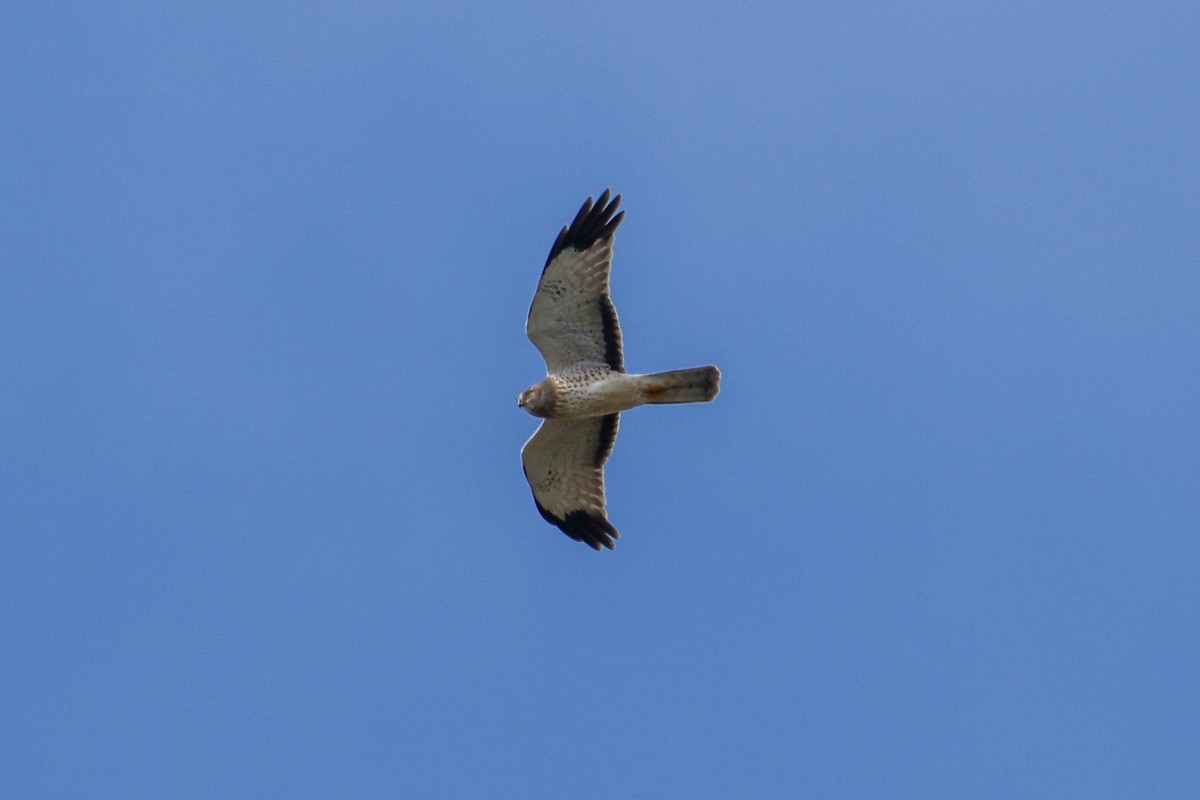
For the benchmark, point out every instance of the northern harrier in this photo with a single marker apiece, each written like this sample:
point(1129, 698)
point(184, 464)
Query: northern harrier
point(573, 323)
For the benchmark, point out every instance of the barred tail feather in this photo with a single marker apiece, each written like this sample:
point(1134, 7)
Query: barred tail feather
point(696, 385)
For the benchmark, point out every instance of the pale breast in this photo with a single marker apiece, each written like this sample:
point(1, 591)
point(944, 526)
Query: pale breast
point(593, 391)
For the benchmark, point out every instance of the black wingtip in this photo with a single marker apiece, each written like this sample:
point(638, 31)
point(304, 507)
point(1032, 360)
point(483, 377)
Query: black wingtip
point(591, 529)
point(582, 526)
point(596, 221)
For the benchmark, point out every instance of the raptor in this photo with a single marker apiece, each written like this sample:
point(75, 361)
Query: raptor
point(573, 323)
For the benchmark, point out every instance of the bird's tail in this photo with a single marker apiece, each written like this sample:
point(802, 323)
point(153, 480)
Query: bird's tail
point(695, 385)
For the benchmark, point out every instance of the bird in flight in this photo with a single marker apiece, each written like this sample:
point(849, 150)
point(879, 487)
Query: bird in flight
point(573, 323)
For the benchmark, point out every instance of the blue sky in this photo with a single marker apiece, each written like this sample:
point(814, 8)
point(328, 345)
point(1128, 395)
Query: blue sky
point(263, 527)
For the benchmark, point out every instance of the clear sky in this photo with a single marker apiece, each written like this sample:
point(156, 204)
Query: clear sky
point(265, 270)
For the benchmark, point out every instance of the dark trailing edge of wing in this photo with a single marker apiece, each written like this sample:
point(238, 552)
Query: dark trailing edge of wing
point(607, 438)
point(591, 529)
point(612, 335)
point(593, 223)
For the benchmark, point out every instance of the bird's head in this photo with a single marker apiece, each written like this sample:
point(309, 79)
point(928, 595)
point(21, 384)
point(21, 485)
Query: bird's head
point(538, 399)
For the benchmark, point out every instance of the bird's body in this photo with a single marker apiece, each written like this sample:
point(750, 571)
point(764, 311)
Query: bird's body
point(592, 390)
point(574, 324)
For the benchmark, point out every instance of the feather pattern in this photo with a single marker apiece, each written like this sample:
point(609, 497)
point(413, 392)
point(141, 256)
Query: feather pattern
point(564, 463)
point(572, 318)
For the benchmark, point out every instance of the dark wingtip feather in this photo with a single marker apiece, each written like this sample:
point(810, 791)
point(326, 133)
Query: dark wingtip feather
point(594, 222)
point(591, 529)
point(582, 526)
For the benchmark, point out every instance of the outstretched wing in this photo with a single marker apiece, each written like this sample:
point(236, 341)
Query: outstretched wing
point(564, 464)
point(572, 319)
